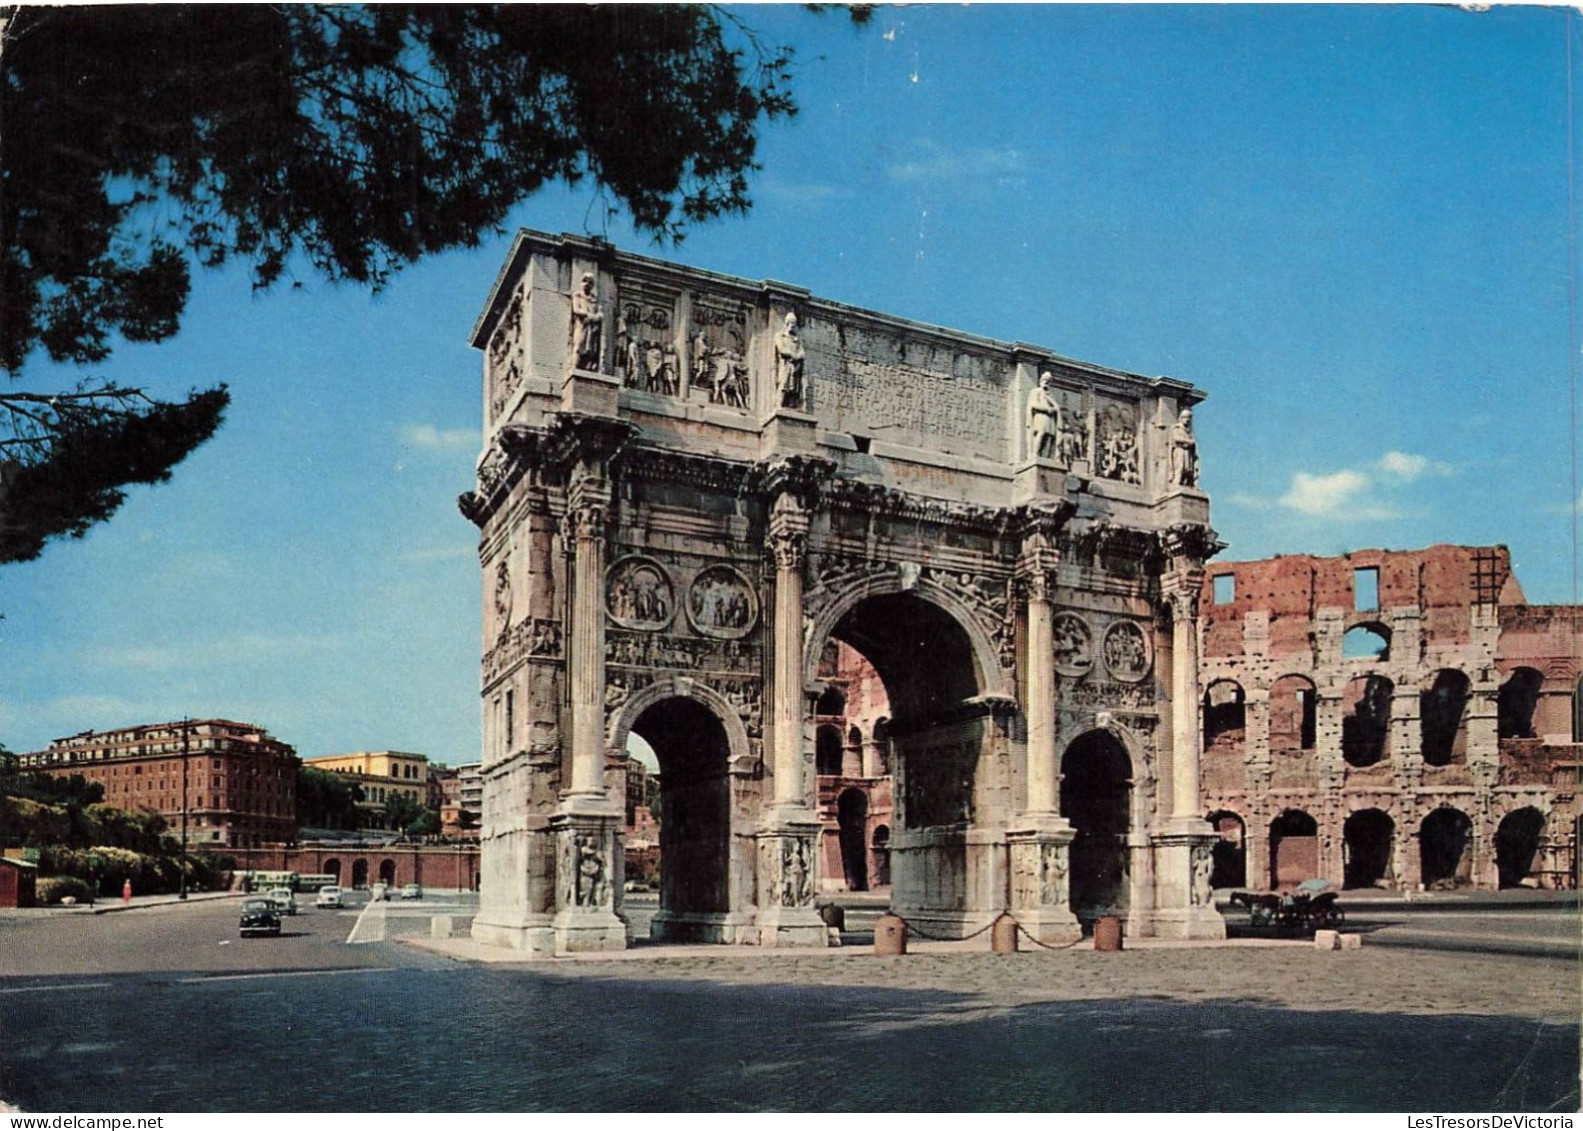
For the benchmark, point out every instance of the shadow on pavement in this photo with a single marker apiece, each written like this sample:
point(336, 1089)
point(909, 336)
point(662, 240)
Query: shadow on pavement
point(469, 1039)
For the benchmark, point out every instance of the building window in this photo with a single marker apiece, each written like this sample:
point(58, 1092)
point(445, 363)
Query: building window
point(511, 718)
point(1224, 590)
point(1366, 589)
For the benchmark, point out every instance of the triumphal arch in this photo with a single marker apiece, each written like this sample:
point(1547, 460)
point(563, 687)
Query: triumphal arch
point(692, 483)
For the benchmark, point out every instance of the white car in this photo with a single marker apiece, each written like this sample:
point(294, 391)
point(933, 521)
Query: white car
point(285, 902)
point(329, 897)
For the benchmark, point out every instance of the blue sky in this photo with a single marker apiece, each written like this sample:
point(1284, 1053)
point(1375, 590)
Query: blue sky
point(1349, 224)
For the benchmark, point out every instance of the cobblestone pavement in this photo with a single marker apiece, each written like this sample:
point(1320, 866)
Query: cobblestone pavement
point(395, 1028)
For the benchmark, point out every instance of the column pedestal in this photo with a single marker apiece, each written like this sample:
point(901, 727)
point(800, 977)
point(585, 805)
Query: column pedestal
point(1040, 857)
point(1184, 906)
point(590, 868)
point(786, 871)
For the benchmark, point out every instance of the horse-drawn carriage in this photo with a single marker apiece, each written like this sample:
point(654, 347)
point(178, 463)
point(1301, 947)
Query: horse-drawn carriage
point(1311, 907)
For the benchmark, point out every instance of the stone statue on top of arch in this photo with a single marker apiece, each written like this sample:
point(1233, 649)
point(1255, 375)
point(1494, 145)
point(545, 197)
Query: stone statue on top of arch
point(587, 329)
point(789, 359)
point(1184, 451)
point(1044, 419)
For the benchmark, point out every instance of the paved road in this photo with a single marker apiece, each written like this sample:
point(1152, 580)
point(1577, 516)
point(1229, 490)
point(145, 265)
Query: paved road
point(148, 1011)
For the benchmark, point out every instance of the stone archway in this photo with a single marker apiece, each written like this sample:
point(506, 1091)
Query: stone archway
point(1229, 853)
point(852, 819)
point(1517, 844)
point(690, 508)
point(1369, 839)
point(1096, 797)
point(1294, 850)
point(1445, 846)
point(359, 873)
point(387, 871)
point(941, 738)
point(694, 817)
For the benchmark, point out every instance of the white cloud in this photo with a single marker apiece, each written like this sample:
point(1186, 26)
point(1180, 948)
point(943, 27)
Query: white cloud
point(935, 163)
point(1408, 467)
point(803, 193)
point(429, 437)
point(1323, 494)
point(205, 654)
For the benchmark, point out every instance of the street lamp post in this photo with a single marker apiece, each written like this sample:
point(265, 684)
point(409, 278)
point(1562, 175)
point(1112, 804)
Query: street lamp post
point(186, 730)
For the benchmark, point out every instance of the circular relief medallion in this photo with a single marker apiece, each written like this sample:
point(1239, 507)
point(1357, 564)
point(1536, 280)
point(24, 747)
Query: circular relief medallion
point(1074, 645)
point(638, 594)
point(1126, 652)
point(721, 603)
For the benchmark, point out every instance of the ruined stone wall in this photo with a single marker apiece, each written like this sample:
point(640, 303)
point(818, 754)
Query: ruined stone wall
point(1372, 690)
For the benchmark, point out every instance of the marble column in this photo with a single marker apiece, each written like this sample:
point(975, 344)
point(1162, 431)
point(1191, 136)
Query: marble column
point(1183, 846)
point(588, 506)
point(587, 827)
point(1040, 839)
point(789, 837)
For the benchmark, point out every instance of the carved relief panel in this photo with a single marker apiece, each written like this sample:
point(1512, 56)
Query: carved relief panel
point(646, 355)
point(718, 351)
point(721, 603)
point(1126, 652)
point(639, 595)
point(1116, 442)
point(505, 359)
point(1074, 646)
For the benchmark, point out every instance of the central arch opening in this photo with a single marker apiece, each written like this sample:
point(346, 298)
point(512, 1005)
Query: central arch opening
point(693, 753)
point(1096, 797)
point(931, 729)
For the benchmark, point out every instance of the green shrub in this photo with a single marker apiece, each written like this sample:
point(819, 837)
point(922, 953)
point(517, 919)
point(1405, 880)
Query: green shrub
point(52, 889)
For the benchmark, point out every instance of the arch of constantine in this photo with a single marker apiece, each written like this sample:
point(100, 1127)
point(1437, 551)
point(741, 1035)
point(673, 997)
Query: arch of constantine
point(693, 483)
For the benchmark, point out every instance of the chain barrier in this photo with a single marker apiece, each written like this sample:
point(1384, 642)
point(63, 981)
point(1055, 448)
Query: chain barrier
point(943, 938)
point(1021, 930)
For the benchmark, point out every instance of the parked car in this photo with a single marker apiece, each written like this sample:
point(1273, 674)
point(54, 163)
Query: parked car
point(284, 900)
point(260, 917)
point(412, 891)
point(329, 897)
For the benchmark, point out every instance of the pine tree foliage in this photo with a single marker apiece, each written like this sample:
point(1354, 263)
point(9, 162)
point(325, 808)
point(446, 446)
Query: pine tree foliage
point(341, 142)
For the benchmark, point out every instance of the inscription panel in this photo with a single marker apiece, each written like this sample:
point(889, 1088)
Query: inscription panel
point(906, 392)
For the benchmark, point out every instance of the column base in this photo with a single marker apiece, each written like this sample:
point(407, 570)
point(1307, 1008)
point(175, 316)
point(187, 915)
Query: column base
point(1184, 906)
point(590, 868)
point(532, 934)
point(1040, 856)
point(580, 931)
point(788, 876)
point(792, 927)
point(1052, 926)
point(1188, 923)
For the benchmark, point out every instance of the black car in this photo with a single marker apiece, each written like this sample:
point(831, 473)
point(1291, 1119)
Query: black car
point(260, 917)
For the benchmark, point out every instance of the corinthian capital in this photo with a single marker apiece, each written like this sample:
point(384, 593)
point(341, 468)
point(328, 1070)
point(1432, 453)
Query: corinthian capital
point(1188, 546)
point(788, 532)
point(1181, 593)
point(587, 504)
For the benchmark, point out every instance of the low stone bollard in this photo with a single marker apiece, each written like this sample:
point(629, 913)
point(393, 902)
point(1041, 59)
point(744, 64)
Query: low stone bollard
point(890, 935)
point(1327, 940)
point(1351, 942)
point(440, 926)
point(1003, 935)
point(1107, 933)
